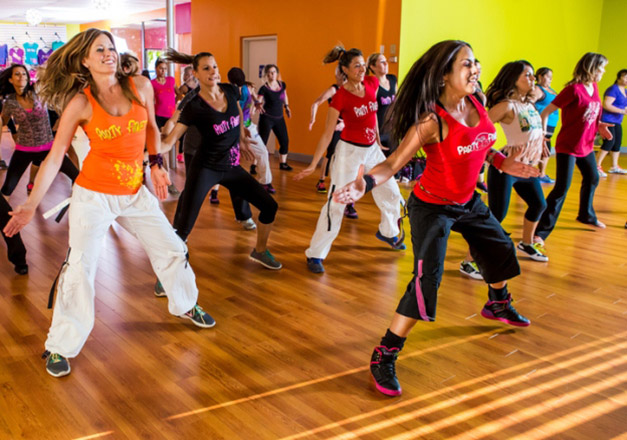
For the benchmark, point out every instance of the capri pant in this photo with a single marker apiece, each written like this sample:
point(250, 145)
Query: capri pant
point(431, 224)
point(278, 127)
point(530, 190)
point(617, 139)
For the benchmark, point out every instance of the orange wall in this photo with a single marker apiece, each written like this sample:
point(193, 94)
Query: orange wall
point(305, 31)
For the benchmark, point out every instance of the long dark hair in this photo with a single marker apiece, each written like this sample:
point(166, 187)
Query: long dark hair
point(586, 68)
point(422, 86)
point(183, 58)
point(6, 88)
point(504, 85)
point(342, 56)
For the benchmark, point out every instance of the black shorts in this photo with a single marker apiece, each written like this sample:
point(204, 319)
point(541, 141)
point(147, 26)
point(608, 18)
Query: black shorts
point(431, 224)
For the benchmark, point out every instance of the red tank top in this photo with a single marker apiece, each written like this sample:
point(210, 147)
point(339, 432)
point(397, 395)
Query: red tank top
point(453, 164)
point(114, 164)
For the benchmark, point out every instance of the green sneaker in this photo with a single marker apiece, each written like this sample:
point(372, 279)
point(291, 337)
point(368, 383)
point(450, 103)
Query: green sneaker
point(57, 365)
point(266, 259)
point(199, 317)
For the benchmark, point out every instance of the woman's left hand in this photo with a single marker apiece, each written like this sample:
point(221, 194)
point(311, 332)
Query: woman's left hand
point(160, 181)
point(604, 130)
point(514, 168)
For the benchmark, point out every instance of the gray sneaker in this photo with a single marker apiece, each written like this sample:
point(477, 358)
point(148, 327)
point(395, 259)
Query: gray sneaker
point(266, 259)
point(173, 191)
point(159, 290)
point(199, 317)
point(57, 365)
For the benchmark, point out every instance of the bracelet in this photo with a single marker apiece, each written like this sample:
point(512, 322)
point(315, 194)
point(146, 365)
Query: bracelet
point(495, 158)
point(155, 159)
point(370, 182)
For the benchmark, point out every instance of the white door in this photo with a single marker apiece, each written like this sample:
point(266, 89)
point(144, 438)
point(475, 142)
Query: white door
point(256, 53)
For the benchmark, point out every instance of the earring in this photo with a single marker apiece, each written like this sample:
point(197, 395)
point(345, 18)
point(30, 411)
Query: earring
point(441, 83)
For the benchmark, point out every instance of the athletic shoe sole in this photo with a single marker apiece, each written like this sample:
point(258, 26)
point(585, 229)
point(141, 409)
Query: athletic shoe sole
point(474, 276)
point(489, 315)
point(539, 258)
point(391, 393)
point(61, 374)
point(250, 257)
point(160, 294)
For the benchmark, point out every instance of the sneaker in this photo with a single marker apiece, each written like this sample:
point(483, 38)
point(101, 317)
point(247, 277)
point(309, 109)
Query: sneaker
point(383, 370)
point(505, 312)
point(29, 188)
point(470, 269)
point(159, 290)
point(392, 241)
point(248, 224)
point(315, 265)
point(269, 188)
point(597, 223)
point(3, 165)
point(538, 240)
point(253, 170)
point(481, 186)
point(266, 259)
point(546, 179)
point(533, 251)
point(601, 172)
point(285, 167)
point(173, 191)
point(179, 158)
point(320, 187)
point(213, 198)
point(57, 365)
point(199, 317)
point(350, 211)
point(617, 170)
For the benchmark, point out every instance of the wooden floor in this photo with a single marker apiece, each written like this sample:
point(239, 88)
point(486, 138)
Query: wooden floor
point(288, 358)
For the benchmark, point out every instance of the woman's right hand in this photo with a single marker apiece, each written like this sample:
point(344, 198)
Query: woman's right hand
point(353, 191)
point(306, 172)
point(20, 217)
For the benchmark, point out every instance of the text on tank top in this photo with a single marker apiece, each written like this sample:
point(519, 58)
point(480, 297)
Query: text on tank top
point(453, 164)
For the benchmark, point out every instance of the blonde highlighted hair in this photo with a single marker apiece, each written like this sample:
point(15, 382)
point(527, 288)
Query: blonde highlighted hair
point(65, 74)
point(587, 67)
point(372, 61)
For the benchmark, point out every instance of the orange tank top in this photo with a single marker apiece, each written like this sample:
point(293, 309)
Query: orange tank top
point(114, 164)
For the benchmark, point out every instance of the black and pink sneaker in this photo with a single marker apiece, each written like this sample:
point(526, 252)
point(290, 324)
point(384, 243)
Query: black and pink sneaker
point(383, 370)
point(505, 312)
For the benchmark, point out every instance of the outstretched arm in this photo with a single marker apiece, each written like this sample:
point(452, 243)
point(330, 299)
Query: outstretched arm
point(327, 94)
point(323, 143)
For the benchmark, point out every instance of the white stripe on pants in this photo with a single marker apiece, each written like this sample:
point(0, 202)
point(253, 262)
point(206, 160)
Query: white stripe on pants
point(261, 154)
point(344, 166)
point(90, 216)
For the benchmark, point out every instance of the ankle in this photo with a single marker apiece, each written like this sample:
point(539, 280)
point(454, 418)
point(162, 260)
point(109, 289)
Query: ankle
point(497, 294)
point(392, 340)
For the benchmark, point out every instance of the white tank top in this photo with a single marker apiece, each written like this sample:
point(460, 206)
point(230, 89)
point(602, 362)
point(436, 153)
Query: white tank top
point(524, 133)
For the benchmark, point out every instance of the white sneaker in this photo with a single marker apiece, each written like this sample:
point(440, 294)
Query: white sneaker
point(601, 172)
point(617, 170)
point(248, 224)
point(470, 269)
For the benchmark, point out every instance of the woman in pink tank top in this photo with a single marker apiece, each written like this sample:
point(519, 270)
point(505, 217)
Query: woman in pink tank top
point(434, 110)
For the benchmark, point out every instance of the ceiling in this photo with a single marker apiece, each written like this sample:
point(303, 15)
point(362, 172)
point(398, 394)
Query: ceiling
point(76, 11)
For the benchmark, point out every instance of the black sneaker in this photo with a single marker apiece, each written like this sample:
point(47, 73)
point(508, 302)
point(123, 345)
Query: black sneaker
point(57, 365)
point(285, 167)
point(159, 290)
point(199, 317)
point(213, 198)
point(269, 188)
point(394, 242)
point(470, 269)
point(383, 370)
point(505, 312)
point(253, 170)
point(21, 269)
point(350, 211)
point(533, 251)
point(315, 265)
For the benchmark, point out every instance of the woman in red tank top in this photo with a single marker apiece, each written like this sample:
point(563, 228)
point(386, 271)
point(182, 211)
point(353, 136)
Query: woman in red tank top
point(434, 110)
point(84, 79)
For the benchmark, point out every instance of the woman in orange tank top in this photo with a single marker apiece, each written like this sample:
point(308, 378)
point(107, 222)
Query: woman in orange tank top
point(84, 80)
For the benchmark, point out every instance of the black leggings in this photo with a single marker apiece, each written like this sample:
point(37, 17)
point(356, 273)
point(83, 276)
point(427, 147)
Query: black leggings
point(565, 164)
point(22, 159)
point(241, 207)
point(242, 186)
point(15, 247)
point(276, 125)
point(530, 190)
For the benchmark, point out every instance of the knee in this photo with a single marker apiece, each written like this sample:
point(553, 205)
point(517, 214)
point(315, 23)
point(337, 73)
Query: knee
point(268, 213)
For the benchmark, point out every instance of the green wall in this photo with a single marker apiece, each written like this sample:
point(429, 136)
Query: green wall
point(553, 33)
point(612, 40)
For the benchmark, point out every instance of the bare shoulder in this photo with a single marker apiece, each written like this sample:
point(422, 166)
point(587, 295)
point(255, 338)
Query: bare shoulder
point(144, 87)
point(427, 129)
point(79, 108)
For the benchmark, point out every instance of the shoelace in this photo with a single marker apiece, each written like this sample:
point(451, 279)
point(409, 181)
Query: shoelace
point(54, 358)
point(538, 247)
